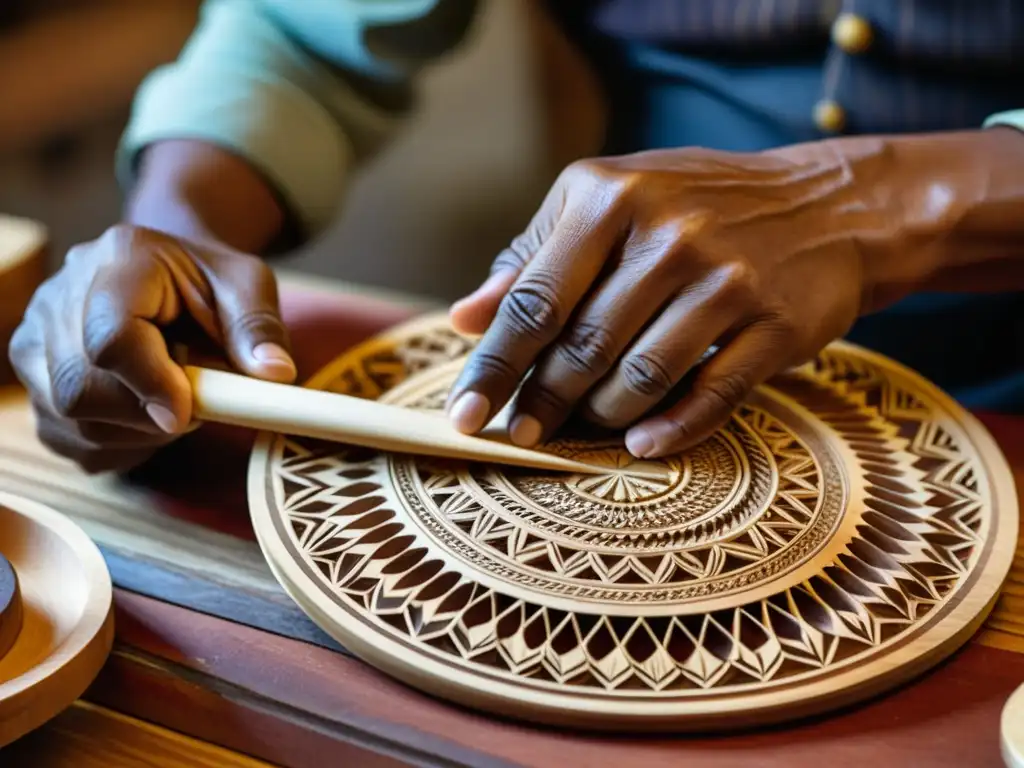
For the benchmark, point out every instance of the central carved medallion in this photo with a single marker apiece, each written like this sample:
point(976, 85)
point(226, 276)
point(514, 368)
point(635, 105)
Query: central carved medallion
point(752, 502)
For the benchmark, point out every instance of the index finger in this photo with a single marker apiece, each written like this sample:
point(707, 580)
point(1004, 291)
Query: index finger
point(120, 335)
point(531, 316)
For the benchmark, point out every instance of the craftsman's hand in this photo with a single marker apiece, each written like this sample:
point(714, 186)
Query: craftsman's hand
point(93, 357)
point(635, 266)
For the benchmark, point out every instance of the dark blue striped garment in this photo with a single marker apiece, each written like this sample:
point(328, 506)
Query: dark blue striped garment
point(743, 75)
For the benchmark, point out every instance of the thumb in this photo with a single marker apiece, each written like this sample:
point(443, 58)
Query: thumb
point(254, 335)
point(473, 314)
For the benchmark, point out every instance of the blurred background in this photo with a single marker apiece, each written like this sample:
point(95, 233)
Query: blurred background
point(496, 122)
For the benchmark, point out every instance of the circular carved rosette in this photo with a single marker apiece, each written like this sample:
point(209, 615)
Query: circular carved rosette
point(848, 528)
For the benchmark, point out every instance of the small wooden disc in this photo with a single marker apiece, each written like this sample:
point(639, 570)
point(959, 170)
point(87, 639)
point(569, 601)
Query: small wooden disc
point(1012, 728)
point(846, 530)
point(10, 606)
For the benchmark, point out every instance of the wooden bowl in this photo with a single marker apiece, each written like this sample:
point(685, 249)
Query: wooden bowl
point(67, 626)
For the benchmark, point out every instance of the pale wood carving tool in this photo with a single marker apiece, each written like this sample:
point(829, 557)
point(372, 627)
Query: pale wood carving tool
point(231, 398)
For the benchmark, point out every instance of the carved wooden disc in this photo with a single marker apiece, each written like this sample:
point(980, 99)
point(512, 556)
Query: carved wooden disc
point(849, 528)
point(10, 606)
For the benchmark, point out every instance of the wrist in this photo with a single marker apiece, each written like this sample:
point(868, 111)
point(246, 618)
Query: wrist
point(866, 201)
point(203, 194)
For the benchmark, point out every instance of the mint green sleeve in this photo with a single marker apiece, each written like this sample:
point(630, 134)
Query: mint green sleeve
point(1013, 118)
point(303, 90)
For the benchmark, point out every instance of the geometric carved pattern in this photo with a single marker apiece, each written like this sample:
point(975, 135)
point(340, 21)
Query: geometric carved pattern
point(848, 527)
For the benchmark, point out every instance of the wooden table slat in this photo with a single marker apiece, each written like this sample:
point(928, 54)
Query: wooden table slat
point(88, 736)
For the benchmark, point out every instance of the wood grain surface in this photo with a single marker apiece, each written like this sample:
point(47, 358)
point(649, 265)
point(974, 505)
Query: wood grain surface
point(87, 736)
point(224, 683)
point(290, 701)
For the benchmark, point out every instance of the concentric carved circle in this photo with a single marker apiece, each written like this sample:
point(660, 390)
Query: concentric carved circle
point(849, 527)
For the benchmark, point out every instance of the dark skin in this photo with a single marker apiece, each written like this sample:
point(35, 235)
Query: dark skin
point(632, 268)
point(91, 350)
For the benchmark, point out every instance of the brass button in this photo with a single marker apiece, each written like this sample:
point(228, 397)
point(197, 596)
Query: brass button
point(829, 116)
point(852, 33)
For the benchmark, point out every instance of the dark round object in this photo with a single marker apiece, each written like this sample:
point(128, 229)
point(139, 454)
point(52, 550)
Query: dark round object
point(10, 606)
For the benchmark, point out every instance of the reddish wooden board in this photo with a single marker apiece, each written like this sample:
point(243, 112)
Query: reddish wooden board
point(290, 702)
point(287, 702)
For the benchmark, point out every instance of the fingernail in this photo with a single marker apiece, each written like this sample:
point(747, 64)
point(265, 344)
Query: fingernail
point(469, 412)
point(639, 442)
point(525, 431)
point(163, 418)
point(273, 355)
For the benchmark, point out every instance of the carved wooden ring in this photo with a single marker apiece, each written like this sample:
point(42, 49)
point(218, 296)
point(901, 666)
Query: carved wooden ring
point(10, 607)
point(848, 529)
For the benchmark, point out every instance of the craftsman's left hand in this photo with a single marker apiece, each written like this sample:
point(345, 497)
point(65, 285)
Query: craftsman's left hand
point(634, 266)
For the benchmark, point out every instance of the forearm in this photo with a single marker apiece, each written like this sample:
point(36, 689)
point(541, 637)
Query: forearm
point(197, 191)
point(251, 136)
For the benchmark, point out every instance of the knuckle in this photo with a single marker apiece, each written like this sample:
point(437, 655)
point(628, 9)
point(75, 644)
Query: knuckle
point(48, 295)
point(254, 267)
point(548, 399)
point(726, 390)
point(680, 433)
point(604, 416)
point(737, 281)
point(76, 255)
point(589, 349)
point(784, 326)
point(256, 321)
point(260, 272)
point(600, 171)
point(121, 230)
point(531, 309)
point(21, 346)
point(486, 365)
point(681, 231)
point(119, 240)
point(102, 338)
point(516, 255)
point(585, 170)
point(69, 384)
point(644, 375)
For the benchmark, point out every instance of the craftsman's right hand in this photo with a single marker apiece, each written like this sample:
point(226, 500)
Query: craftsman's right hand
point(92, 354)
